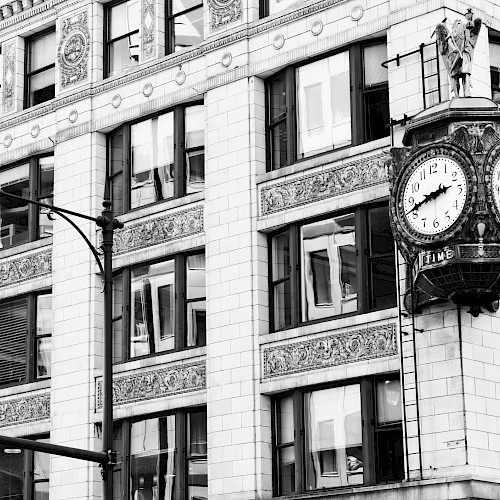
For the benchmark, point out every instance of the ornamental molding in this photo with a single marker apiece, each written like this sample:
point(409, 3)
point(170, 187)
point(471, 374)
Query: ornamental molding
point(158, 383)
point(153, 231)
point(331, 350)
point(9, 76)
point(25, 409)
point(148, 29)
point(224, 12)
point(311, 187)
point(19, 269)
point(74, 49)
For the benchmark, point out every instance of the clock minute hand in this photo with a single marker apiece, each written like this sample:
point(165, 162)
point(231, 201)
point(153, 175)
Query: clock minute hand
point(430, 196)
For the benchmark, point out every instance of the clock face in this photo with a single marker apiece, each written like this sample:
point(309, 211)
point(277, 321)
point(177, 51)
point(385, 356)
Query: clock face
point(495, 184)
point(434, 195)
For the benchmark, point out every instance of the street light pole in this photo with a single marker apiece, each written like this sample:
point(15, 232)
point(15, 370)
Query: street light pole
point(106, 458)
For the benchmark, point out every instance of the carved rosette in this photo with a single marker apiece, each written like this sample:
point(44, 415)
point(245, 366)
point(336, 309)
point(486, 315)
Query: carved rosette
point(148, 29)
point(15, 270)
point(324, 184)
point(223, 12)
point(332, 350)
point(24, 409)
point(9, 76)
point(158, 230)
point(74, 49)
point(154, 384)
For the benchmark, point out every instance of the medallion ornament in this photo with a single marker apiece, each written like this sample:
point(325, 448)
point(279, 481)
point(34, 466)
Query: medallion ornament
point(223, 12)
point(332, 350)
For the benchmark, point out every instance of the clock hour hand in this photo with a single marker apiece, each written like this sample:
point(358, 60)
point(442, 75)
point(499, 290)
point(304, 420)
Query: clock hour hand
point(430, 196)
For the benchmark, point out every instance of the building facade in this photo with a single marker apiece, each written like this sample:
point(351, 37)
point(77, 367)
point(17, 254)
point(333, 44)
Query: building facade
point(264, 339)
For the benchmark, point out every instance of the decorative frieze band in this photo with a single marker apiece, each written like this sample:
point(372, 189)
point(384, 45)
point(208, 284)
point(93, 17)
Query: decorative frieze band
point(25, 409)
point(337, 349)
point(17, 269)
point(153, 231)
point(327, 183)
point(156, 383)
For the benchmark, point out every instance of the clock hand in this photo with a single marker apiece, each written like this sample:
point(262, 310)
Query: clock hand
point(430, 196)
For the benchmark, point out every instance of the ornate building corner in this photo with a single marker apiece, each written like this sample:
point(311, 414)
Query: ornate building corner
point(332, 350)
point(74, 49)
point(223, 12)
point(323, 184)
point(22, 410)
point(154, 231)
point(148, 29)
point(9, 76)
point(18, 269)
point(158, 383)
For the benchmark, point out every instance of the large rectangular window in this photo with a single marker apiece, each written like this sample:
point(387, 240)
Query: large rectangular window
point(184, 24)
point(331, 103)
point(40, 68)
point(25, 339)
point(157, 159)
point(166, 456)
point(165, 307)
point(21, 222)
point(343, 264)
point(345, 435)
point(122, 40)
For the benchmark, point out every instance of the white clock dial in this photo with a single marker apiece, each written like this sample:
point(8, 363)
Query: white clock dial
point(495, 184)
point(434, 195)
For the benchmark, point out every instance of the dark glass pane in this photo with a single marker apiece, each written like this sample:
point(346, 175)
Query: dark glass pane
point(42, 87)
point(377, 114)
point(196, 323)
point(389, 409)
point(44, 327)
point(196, 307)
point(117, 469)
point(166, 299)
point(320, 265)
point(390, 462)
point(11, 473)
point(41, 491)
point(182, 5)
point(279, 145)
point(117, 318)
point(45, 195)
point(286, 470)
point(195, 171)
point(188, 29)
point(282, 305)
point(285, 432)
point(383, 282)
point(13, 333)
point(116, 150)
point(381, 239)
point(277, 98)
point(197, 433)
point(123, 55)
point(124, 18)
point(495, 85)
point(281, 256)
point(42, 51)
point(197, 453)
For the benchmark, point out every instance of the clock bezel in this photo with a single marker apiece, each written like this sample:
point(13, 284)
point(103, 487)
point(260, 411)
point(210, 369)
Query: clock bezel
point(491, 161)
point(429, 152)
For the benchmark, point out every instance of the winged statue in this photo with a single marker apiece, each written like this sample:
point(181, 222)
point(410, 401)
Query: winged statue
point(457, 49)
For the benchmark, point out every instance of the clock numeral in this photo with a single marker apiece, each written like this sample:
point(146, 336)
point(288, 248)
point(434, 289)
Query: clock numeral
point(454, 175)
point(455, 204)
point(411, 200)
point(414, 214)
point(422, 175)
point(415, 187)
point(498, 175)
point(447, 217)
point(423, 219)
point(433, 168)
point(459, 186)
point(497, 187)
point(435, 223)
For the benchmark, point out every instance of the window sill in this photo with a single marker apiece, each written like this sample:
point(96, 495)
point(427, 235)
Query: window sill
point(25, 247)
point(22, 389)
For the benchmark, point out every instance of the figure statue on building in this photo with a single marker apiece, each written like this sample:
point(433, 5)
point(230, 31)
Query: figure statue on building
point(457, 50)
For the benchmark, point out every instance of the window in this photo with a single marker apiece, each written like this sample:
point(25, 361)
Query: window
point(331, 103)
point(495, 65)
point(25, 333)
point(340, 265)
point(166, 457)
point(122, 46)
point(184, 24)
point(165, 307)
point(158, 158)
point(24, 474)
point(21, 222)
point(346, 435)
point(40, 68)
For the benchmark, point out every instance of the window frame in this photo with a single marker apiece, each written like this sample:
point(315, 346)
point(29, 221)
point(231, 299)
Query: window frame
point(363, 258)
point(30, 374)
point(170, 24)
point(27, 64)
point(34, 181)
point(181, 457)
point(369, 429)
point(180, 151)
point(358, 97)
point(494, 38)
point(108, 41)
point(180, 306)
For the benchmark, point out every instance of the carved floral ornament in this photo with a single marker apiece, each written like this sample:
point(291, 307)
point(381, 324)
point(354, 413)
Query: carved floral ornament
point(24, 409)
point(332, 350)
point(26, 267)
point(157, 383)
point(324, 184)
point(223, 12)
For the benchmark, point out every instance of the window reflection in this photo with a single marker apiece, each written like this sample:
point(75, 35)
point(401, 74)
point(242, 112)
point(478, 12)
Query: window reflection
point(197, 456)
point(44, 335)
point(195, 299)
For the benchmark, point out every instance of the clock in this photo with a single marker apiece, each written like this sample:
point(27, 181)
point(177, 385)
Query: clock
point(493, 187)
point(433, 194)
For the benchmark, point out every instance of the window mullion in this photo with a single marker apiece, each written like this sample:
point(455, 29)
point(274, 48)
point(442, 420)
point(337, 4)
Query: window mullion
point(180, 456)
point(295, 292)
point(368, 420)
point(298, 416)
point(179, 157)
point(356, 77)
point(127, 168)
point(31, 340)
point(125, 470)
point(28, 474)
point(126, 316)
point(34, 182)
point(291, 116)
point(180, 302)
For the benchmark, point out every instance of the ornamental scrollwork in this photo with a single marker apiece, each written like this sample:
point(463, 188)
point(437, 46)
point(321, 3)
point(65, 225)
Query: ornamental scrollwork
point(148, 29)
point(25, 409)
point(154, 231)
point(74, 48)
point(332, 350)
point(30, 266)
point(157, 383)
point(223, 12)
point(9, 76)
point(324, 184)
